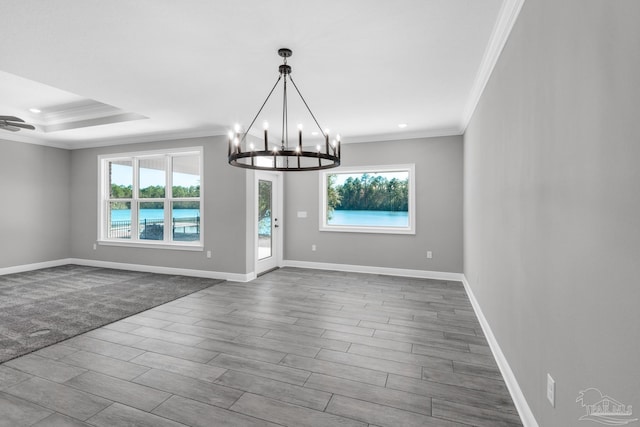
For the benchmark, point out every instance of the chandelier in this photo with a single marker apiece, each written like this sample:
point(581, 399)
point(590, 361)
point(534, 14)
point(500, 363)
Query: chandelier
point(257, 154)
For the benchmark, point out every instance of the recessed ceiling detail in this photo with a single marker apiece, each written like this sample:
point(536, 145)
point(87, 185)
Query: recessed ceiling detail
point(82, 114)
point(58, 111)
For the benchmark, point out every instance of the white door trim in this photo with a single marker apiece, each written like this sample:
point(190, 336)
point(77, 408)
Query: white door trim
point(277, 233)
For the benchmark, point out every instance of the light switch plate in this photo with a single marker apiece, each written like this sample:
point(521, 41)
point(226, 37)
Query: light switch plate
point(551, 390)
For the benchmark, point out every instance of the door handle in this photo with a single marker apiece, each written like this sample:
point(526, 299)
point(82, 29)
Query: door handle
point(276, 226)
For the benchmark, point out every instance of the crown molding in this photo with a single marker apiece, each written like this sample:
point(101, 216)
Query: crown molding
point(106, 142)
point(400, 136)
point(167, 136)
point(504, 24)
point(35, 141)
point(150, 137)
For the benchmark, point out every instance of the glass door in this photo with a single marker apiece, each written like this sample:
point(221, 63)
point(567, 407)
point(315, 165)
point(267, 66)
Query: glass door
point(268, 231)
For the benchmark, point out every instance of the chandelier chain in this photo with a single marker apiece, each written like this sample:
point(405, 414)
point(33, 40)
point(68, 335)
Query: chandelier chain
point(244, 137)
point(307, 105)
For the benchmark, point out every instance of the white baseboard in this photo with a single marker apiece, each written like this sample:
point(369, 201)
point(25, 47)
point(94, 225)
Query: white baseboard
point(423, 274)
point(528, 420)
point(235, 277)
point(34, 266)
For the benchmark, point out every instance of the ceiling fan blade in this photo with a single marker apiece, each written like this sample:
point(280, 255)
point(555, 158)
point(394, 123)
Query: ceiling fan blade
point(9, 128)
point(11, 119)
point(21, 125)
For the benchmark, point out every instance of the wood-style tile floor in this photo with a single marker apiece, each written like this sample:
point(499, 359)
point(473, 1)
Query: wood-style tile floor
point(295, 348)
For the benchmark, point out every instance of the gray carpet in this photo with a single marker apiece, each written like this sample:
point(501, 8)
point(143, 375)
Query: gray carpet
point(39, 308)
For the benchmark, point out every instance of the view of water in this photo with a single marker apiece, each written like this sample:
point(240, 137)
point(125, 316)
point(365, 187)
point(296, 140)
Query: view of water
point(125, 214)
point(338, 217)
point(152, 224)
point(370, 218)
point(264, 226)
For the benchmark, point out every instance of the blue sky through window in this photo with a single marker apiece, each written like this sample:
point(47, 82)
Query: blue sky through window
point(122, 175)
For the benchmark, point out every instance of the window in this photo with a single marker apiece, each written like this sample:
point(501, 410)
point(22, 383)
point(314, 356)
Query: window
point(374, 199)
point(151, 199)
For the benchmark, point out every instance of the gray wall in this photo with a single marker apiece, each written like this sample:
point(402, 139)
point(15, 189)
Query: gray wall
point(224, 220)
point(34, 221)
point(438, 210)
point(552, 203)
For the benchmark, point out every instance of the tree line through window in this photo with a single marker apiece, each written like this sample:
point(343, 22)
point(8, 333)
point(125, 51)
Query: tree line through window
point(368, 199)
point(369, 192)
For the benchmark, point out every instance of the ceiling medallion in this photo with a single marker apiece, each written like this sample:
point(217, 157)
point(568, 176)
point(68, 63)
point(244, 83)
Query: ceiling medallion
point(283, 157)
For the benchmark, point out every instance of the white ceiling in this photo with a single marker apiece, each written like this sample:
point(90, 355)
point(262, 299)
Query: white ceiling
point(107, 72)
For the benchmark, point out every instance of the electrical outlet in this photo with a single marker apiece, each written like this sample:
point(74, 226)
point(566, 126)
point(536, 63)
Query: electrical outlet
point(95, 246)
point(208, 254)
point(429, 254)
point(313, 248)
point(551, 390)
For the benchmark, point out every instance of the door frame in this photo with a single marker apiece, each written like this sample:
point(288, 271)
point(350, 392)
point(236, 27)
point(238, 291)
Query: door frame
point(277, 233)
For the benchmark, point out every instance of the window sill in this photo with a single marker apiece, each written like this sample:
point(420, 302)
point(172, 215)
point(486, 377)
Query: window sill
point(371, 230)
point(153, 245)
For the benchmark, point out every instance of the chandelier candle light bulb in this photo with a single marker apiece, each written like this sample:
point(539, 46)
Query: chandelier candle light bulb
point(230, 139)
point(326, 139)
point(265, 125)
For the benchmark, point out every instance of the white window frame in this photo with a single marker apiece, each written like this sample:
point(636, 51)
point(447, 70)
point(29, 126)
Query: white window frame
point(410, 229)
point(135, 241)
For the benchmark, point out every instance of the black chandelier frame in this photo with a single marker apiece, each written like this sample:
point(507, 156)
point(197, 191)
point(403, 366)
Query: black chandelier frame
point(284, 158)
